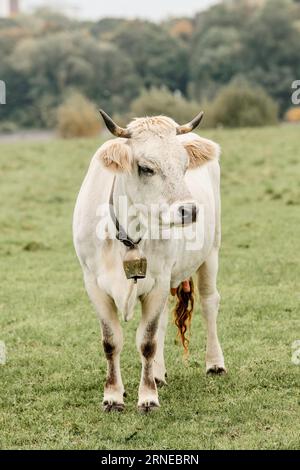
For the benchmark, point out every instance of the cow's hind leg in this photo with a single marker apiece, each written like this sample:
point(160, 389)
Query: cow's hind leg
point(147, 336)
point(210, 299)
point(112, 340)
point(159, 368)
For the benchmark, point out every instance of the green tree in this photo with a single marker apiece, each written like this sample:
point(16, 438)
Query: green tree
point(215, 60)
point(78, 117)
point(158, 58)
point(241, 105)
point(156, 101)
point(236, 39)
point(49, 66)
point(271, 45)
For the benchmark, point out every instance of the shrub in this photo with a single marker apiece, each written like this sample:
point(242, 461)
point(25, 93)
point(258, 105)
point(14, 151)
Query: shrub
point(293, 114)
point(8, 127)
point(158, 101)
point(240, 105)
point(78, 117)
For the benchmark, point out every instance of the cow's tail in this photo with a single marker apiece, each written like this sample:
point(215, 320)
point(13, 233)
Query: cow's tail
point(183, 313)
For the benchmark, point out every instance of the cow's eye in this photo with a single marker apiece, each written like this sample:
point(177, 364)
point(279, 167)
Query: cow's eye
point(145, 171)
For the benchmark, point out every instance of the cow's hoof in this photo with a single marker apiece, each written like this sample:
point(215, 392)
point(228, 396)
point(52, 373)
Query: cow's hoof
point(109, 405)
point(160, 383)
point(148, 407)
point(216, 370)
point(160, 374)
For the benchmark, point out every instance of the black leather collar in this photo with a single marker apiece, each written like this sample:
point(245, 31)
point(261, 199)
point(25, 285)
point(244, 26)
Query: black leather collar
point(121, 233)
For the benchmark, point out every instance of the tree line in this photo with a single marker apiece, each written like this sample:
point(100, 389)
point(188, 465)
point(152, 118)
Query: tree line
point(46, 56)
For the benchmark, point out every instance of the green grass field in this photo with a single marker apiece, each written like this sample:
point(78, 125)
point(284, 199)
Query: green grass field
point(51, 385)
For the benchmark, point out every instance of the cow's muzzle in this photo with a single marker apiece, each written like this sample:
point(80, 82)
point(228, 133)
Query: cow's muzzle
point(180, 214)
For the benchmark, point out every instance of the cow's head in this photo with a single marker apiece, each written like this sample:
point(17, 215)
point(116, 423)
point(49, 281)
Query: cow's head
point(153, 157)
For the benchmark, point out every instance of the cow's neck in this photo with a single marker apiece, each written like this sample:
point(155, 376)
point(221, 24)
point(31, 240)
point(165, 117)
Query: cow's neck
point(128, 217)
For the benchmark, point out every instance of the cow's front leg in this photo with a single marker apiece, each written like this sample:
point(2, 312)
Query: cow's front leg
point(147, 334)
point(210, 299)
point(112, 340)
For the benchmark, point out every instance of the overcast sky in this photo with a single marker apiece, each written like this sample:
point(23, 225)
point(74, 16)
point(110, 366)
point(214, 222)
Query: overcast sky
point(153, 9)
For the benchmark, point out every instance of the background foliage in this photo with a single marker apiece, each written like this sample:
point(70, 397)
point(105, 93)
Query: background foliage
point(78, 117)
point(113, 61)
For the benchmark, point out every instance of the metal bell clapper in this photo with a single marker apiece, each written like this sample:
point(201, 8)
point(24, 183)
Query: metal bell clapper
point(135, 264)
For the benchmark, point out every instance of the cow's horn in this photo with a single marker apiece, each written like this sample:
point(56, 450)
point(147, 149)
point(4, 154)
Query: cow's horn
point(113, 127)
point(191, 125)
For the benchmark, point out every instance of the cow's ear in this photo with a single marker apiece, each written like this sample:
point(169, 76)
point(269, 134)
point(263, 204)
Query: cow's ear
point(201, 151)
point(116, 155)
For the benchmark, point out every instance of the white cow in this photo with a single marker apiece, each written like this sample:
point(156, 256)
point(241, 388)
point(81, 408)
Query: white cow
point(154, 161)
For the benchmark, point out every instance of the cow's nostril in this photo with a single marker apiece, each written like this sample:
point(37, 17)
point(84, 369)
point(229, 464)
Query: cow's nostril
point(188, 213)
point(182, 211)
point(195, 211)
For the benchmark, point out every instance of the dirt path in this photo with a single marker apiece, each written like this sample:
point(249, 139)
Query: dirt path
point(30, 135)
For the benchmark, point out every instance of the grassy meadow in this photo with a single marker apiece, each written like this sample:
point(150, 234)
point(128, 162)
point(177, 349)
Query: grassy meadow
point(51, 385)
